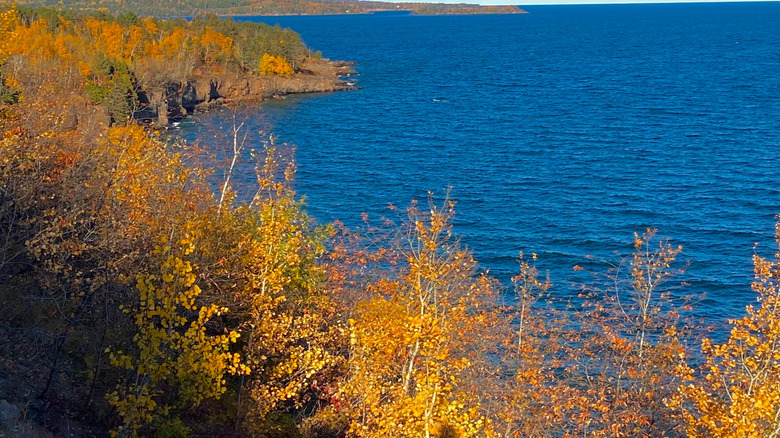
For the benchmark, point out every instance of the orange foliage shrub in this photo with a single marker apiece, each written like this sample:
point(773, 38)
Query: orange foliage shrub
point(275, 65)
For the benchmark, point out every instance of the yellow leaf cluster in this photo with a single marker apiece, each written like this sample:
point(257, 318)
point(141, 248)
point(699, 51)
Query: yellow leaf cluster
point(406, 344)
point(9, 20)
point(173, 347)
point(271, 65)
point(740, 393)
point(216, 46)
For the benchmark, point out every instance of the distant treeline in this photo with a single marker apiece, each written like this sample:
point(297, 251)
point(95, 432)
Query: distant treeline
point(266, 7)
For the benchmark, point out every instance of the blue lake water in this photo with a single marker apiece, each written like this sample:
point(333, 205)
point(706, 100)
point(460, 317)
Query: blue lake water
point(561, 132)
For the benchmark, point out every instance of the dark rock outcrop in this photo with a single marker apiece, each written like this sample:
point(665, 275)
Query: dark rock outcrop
point(202, 91)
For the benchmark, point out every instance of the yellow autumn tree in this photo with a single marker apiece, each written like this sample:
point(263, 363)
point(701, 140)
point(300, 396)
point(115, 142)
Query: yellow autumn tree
point(739, 395)
point(275, 65)
point(290, 339)
point(173, 348)
point(9, 19)
point(602, 366)
point(410, 344)
point(216, 46)
point(623, 347)
point(519, 405)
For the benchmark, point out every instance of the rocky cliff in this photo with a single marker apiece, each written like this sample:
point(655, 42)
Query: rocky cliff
point(201, 91)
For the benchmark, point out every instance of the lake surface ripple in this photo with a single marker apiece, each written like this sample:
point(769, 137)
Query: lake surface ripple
point(561, 132)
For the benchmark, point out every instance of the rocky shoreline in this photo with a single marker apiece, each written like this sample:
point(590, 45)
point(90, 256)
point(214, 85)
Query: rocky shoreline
point(174, 100)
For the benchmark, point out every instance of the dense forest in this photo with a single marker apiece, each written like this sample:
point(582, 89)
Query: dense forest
point(140, 297)
point(267, 7)
point(151, 68)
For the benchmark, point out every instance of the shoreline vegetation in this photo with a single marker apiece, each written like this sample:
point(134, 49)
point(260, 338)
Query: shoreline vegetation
point(272, 7)
point(140, 298)
point(155, 70)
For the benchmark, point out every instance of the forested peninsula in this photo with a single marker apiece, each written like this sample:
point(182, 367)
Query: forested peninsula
point(139, 297)
point(157, 69)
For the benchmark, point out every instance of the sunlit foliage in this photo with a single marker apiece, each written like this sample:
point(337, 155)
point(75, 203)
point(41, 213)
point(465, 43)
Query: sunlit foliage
point(409, 341)
point(8, 21)
point(275, 65)
point(173, 348)
point(739, 394)
point(151, 305)
point(291, 343)
point(624, 346)
point(120, 62)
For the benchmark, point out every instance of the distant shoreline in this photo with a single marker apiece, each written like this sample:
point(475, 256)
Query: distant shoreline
point(379, 11)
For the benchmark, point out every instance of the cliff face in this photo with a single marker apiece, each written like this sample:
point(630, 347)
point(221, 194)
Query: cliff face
point(178, 99)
